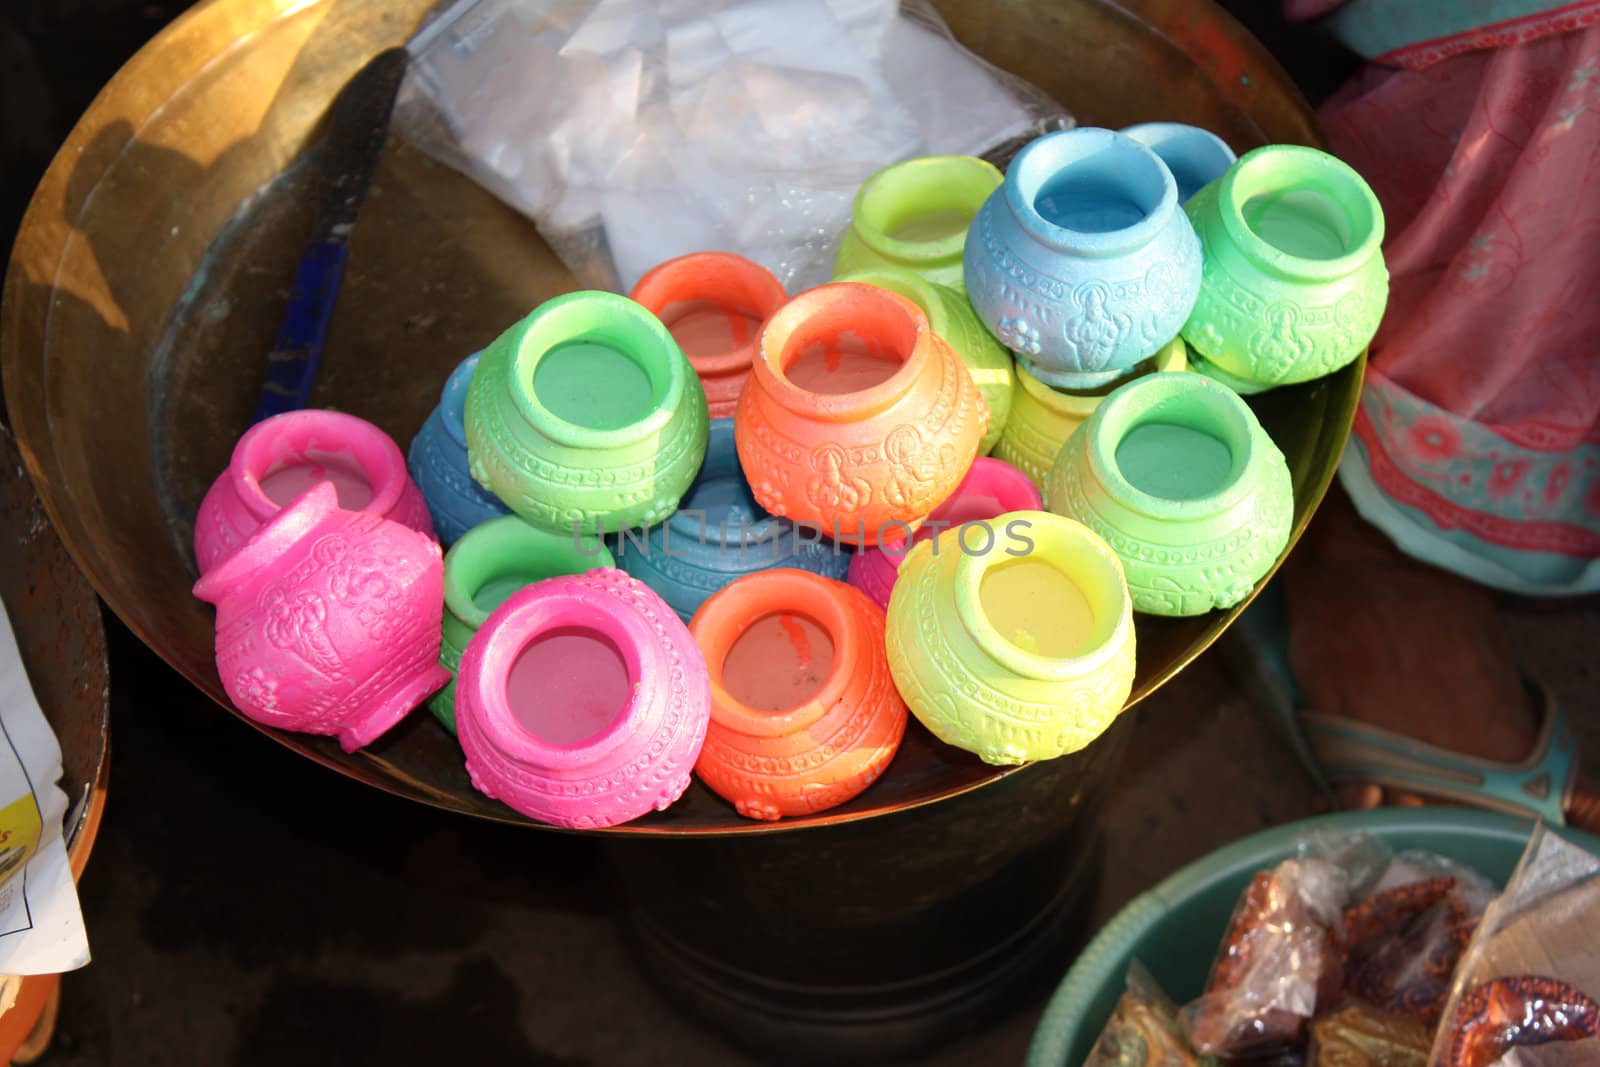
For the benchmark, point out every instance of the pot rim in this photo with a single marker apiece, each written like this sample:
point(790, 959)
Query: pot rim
point(1042, 159)
point(1156, 135)
point(1272, 167)
point(914, 287)
point(615, 322)
point(512, 541)
point(373, 451)
point(1190, 400)
point(841, 301)
point(531, 612)
point(1106, 571)
point(727, 614)
point(294, 522)
point(732, 282)
point(967, 181)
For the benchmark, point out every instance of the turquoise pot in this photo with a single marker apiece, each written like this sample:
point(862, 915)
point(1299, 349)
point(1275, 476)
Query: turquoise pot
point(1195, 157)
point(1174, 929)
point(438, 463)
point(1082, 263)
point(720, 533)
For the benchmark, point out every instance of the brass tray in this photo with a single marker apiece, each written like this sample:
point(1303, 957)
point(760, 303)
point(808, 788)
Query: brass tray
point(153, 265)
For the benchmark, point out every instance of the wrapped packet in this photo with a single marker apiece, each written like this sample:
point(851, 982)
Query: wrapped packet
point(1525, 994)
point(1277, 962)
point(1358, 1035)
point(1144, 1030)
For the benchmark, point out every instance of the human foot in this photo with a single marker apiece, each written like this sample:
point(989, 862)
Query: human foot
point(1384, 640)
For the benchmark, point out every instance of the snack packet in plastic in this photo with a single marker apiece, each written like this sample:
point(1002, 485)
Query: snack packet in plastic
point(1144, 1030)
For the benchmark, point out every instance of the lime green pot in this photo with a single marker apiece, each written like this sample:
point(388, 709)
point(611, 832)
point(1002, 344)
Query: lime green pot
point(1012, 638)
point(1176, 473)
point(950, 315)
point(1043, 417)
point(490, 562)
point(1294, 284)
point(914, 215)
point(586, 417)
point(1174, 929)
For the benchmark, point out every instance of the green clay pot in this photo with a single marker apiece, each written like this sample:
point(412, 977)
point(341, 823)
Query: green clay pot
point(1294, 284)
point(586, 417)
point(914, 215)
point(950, 315)
point(490, 562)
point(1178, 476)
point(1017, 646)
point(1042, 418)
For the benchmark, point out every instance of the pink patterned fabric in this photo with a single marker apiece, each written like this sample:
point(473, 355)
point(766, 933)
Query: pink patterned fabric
point(1480, 420)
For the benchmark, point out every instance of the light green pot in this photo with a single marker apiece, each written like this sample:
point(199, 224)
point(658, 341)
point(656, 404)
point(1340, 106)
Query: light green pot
point(951, 317)
point(490, 562)
point(1176, 473)
point(983, 683)
point(1294, 284)
point(890, 219)
point(624, 442)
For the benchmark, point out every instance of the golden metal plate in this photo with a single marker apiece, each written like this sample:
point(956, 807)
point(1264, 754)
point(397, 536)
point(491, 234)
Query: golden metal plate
point(153, 267)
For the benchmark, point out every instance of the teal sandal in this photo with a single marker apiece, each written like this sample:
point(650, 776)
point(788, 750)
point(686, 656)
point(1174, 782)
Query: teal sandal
point(1337, 750)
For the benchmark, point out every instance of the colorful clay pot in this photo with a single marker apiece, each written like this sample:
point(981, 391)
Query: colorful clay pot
point(857, 414)
point(951, 317)
point(586, 415)
point(1294, 283)
point(804, 715)
point(914, 215)
point(438, 463)
point(582, 702)
point(990, 488)
point(1196, 157)
point(1043, 418)
point(718, 534)
point(1019, 646)
point(714, 305)
point(277, 459)
point(492, 561)
point(1176, 473)
point(1082, 263)
point(328, 620)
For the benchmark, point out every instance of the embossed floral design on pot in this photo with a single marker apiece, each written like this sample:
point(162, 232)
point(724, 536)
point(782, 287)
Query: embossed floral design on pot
point(1021, 652)
point(586, 414)
point(438, 463)
point(857, 414)
point(328, 620)
point(278, 458)
point(714, 304)
point(482, 570)
point(1294, 284)
point(914, 216)
point(805, 716)
point(1177, 474)
point(1082, 262)
point(582, 701)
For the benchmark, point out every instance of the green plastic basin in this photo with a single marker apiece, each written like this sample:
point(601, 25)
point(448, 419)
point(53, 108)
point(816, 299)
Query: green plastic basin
point(1174, 928)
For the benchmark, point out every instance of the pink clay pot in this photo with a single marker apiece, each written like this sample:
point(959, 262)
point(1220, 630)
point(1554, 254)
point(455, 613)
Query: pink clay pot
point(583, 701)
point(328, 620)
point(279, 458)
point(991, 488)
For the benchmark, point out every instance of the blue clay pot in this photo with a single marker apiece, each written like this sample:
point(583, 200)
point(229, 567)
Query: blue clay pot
point(438, 463)
point(686, 559)
point(1196, 157)
point(1082, 263)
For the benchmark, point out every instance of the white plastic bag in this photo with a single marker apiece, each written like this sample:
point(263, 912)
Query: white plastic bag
point(632, 131)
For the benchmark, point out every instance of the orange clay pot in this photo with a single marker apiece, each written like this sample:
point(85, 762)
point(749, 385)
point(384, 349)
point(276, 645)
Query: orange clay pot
point(858, 418)
point(804, 713)
point(714, 304)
